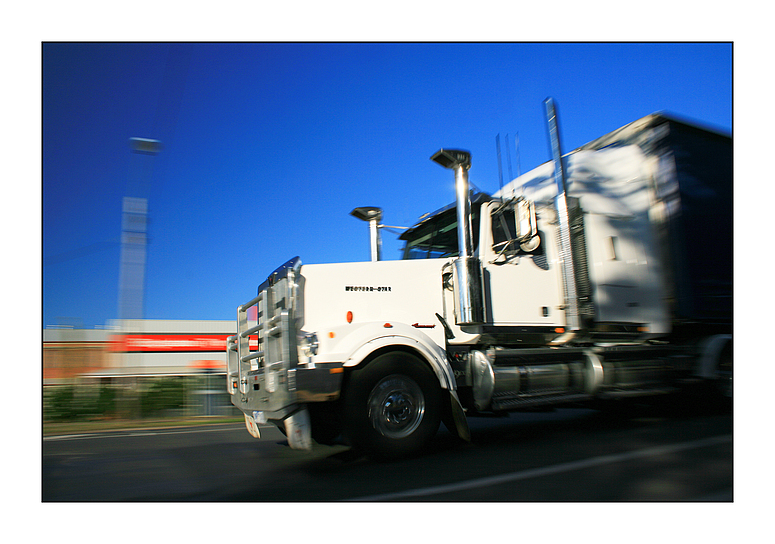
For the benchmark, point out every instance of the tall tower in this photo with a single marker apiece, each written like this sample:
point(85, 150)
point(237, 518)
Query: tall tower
point(134, 232)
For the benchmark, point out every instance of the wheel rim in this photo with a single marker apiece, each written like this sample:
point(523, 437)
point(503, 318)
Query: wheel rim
point(396, 406)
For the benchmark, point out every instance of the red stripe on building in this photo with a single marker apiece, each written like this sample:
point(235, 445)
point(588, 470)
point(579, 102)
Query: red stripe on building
point(171, 342)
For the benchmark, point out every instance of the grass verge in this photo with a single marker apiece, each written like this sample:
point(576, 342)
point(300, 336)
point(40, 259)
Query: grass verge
point(78, 427)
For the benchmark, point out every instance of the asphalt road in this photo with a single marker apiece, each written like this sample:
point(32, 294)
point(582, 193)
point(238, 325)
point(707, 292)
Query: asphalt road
point(569, 455)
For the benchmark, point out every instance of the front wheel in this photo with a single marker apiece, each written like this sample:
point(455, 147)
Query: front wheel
point(392, 406)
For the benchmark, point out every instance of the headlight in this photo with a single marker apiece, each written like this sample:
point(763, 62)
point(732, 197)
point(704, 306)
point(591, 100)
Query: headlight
point(308, 344)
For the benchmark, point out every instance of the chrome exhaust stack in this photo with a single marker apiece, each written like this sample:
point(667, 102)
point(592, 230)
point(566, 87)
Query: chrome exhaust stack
point(572, 315)
point(469, 302)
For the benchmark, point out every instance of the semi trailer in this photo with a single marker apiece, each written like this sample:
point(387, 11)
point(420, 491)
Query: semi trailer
point(603, 274)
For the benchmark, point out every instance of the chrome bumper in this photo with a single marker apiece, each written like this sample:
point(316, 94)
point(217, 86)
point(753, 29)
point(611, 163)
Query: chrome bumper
point(277, 391)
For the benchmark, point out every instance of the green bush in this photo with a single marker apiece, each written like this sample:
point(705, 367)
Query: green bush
point(147, 397)
point(163, 394)
point(65, 403)
point(106, 401)
point(61, 404)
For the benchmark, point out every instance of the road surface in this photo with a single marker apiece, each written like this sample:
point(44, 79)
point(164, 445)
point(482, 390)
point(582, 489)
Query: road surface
point(576, 455)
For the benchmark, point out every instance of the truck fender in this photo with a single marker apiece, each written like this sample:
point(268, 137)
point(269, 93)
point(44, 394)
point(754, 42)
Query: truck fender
point(710, 350)
point(407, 337)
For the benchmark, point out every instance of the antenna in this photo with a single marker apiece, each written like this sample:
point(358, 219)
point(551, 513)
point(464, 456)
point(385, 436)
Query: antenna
point(516, 143)
point(500, 166)
point(508, 156)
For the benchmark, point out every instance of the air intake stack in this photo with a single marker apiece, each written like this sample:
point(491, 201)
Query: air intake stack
point(372, 216)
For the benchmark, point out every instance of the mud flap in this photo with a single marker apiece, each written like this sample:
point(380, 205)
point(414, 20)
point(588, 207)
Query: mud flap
point(459, 417)
point(298, 429)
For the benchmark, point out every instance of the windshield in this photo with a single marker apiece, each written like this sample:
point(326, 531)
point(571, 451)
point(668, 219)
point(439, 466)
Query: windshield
point(436, 237)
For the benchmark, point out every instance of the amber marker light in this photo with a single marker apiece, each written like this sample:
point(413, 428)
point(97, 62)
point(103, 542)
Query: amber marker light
point(349, 317)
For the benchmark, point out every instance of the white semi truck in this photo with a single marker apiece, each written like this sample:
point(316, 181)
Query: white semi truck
point(605, 273)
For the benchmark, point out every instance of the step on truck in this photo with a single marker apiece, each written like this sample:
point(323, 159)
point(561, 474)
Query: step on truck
point(605, 273)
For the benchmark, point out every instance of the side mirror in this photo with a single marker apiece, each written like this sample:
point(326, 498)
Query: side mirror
point(527, 227)
point(514, 224)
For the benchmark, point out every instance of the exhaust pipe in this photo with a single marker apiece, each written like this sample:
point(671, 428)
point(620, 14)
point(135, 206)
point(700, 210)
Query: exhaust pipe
point(572, 318)
point(469, 303)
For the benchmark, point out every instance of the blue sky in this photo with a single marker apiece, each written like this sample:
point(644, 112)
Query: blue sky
point(267, 148)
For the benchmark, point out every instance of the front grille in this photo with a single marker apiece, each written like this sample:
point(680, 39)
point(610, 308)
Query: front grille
point(261, 375)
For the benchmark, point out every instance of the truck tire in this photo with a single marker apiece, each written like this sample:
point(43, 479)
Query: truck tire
point(392, 406)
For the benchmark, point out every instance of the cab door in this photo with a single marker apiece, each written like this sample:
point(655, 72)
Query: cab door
point(523, 285)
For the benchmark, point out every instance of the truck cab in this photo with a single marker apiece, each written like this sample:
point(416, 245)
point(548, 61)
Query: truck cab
point(521, 283)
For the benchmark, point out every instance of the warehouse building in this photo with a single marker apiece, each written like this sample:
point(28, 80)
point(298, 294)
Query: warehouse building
point(135, 354)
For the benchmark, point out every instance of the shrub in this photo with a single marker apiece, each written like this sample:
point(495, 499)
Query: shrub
point(61, 404)
point(163, 394)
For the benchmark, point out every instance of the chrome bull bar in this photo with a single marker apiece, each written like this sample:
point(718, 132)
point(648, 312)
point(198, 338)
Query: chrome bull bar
point(258, 379)
point(264, 376)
